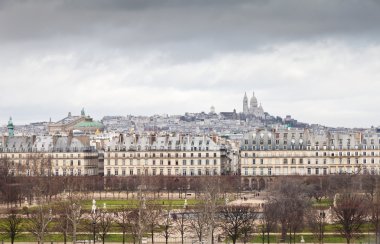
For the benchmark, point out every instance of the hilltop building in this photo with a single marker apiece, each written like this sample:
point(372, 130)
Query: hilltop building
point(253, 110)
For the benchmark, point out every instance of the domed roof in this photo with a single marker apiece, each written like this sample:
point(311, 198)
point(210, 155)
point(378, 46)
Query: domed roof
point(253, 101)
point(87, 124)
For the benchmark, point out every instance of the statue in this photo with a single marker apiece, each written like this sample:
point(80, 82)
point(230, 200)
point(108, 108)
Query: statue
point(185, 203)
point(302, 240)
point(82, 112)
point(93, 208)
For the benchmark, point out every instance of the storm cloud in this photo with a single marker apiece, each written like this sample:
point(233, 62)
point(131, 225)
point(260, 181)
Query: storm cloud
point(316, 60)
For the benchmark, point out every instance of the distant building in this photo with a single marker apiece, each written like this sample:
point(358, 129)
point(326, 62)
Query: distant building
point(294, 151)
point(82, 123)
point(254, 109)
point(49, 155)
point(183, 155)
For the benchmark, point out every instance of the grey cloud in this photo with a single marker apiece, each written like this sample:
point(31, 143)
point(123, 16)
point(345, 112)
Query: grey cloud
point(147, 57)
point(219, 24)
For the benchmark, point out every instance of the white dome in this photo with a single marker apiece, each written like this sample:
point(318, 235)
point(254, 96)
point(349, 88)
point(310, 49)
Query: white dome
point(253, 101)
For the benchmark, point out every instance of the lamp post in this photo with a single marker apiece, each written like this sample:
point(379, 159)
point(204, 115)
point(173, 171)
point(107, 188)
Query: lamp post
point(93, 225)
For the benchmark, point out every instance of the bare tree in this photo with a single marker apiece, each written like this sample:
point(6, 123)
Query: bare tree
point(268, 220)
point(349, 215)
point(237, 220)
point(11, 225)
point(167, 224)
point(180, 220)
point(153, 213)
point(63, 223)
point(291, 204)
point(104, 223)
point(211, 195)
point(374, 215)
point(198, 221)
point(121, 219)
point(316, 221)
point(136, 224)
point(38, 222)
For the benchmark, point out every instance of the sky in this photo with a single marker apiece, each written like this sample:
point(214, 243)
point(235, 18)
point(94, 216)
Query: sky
point(318, 61)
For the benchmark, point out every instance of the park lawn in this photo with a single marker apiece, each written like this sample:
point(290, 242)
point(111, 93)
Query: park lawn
point(133, 203)
point(324, 203)
point(310, 239)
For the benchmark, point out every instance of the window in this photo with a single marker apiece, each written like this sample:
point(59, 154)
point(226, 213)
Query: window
point(309, 171)
point(116, 172)
point(131, 172)
point(78, 162)
point(154, 172)
point(199, 172)
point(108, 172)
point(183, 162)
point(169, 172)
point(184, 172)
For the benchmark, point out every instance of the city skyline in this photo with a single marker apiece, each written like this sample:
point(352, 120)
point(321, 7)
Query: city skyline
point(130, 57)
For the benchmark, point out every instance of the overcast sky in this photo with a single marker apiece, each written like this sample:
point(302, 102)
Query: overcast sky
point(318, 61)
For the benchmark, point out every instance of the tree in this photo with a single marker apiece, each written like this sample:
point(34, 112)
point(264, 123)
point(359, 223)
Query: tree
point(11, 225)
point(70, 212)
point(268, 220)
point(153, 212)
point(180, 224)
point(167, 225)
point(136, 224)
point(211, 194)
point(237, 221)
point(198, 221)
point(290, 200)
point(374, 215)
point(63, 223)
point(121, 219)
point(38, 222)
point(316, 221)
point(349, 215)
point(104, 223)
